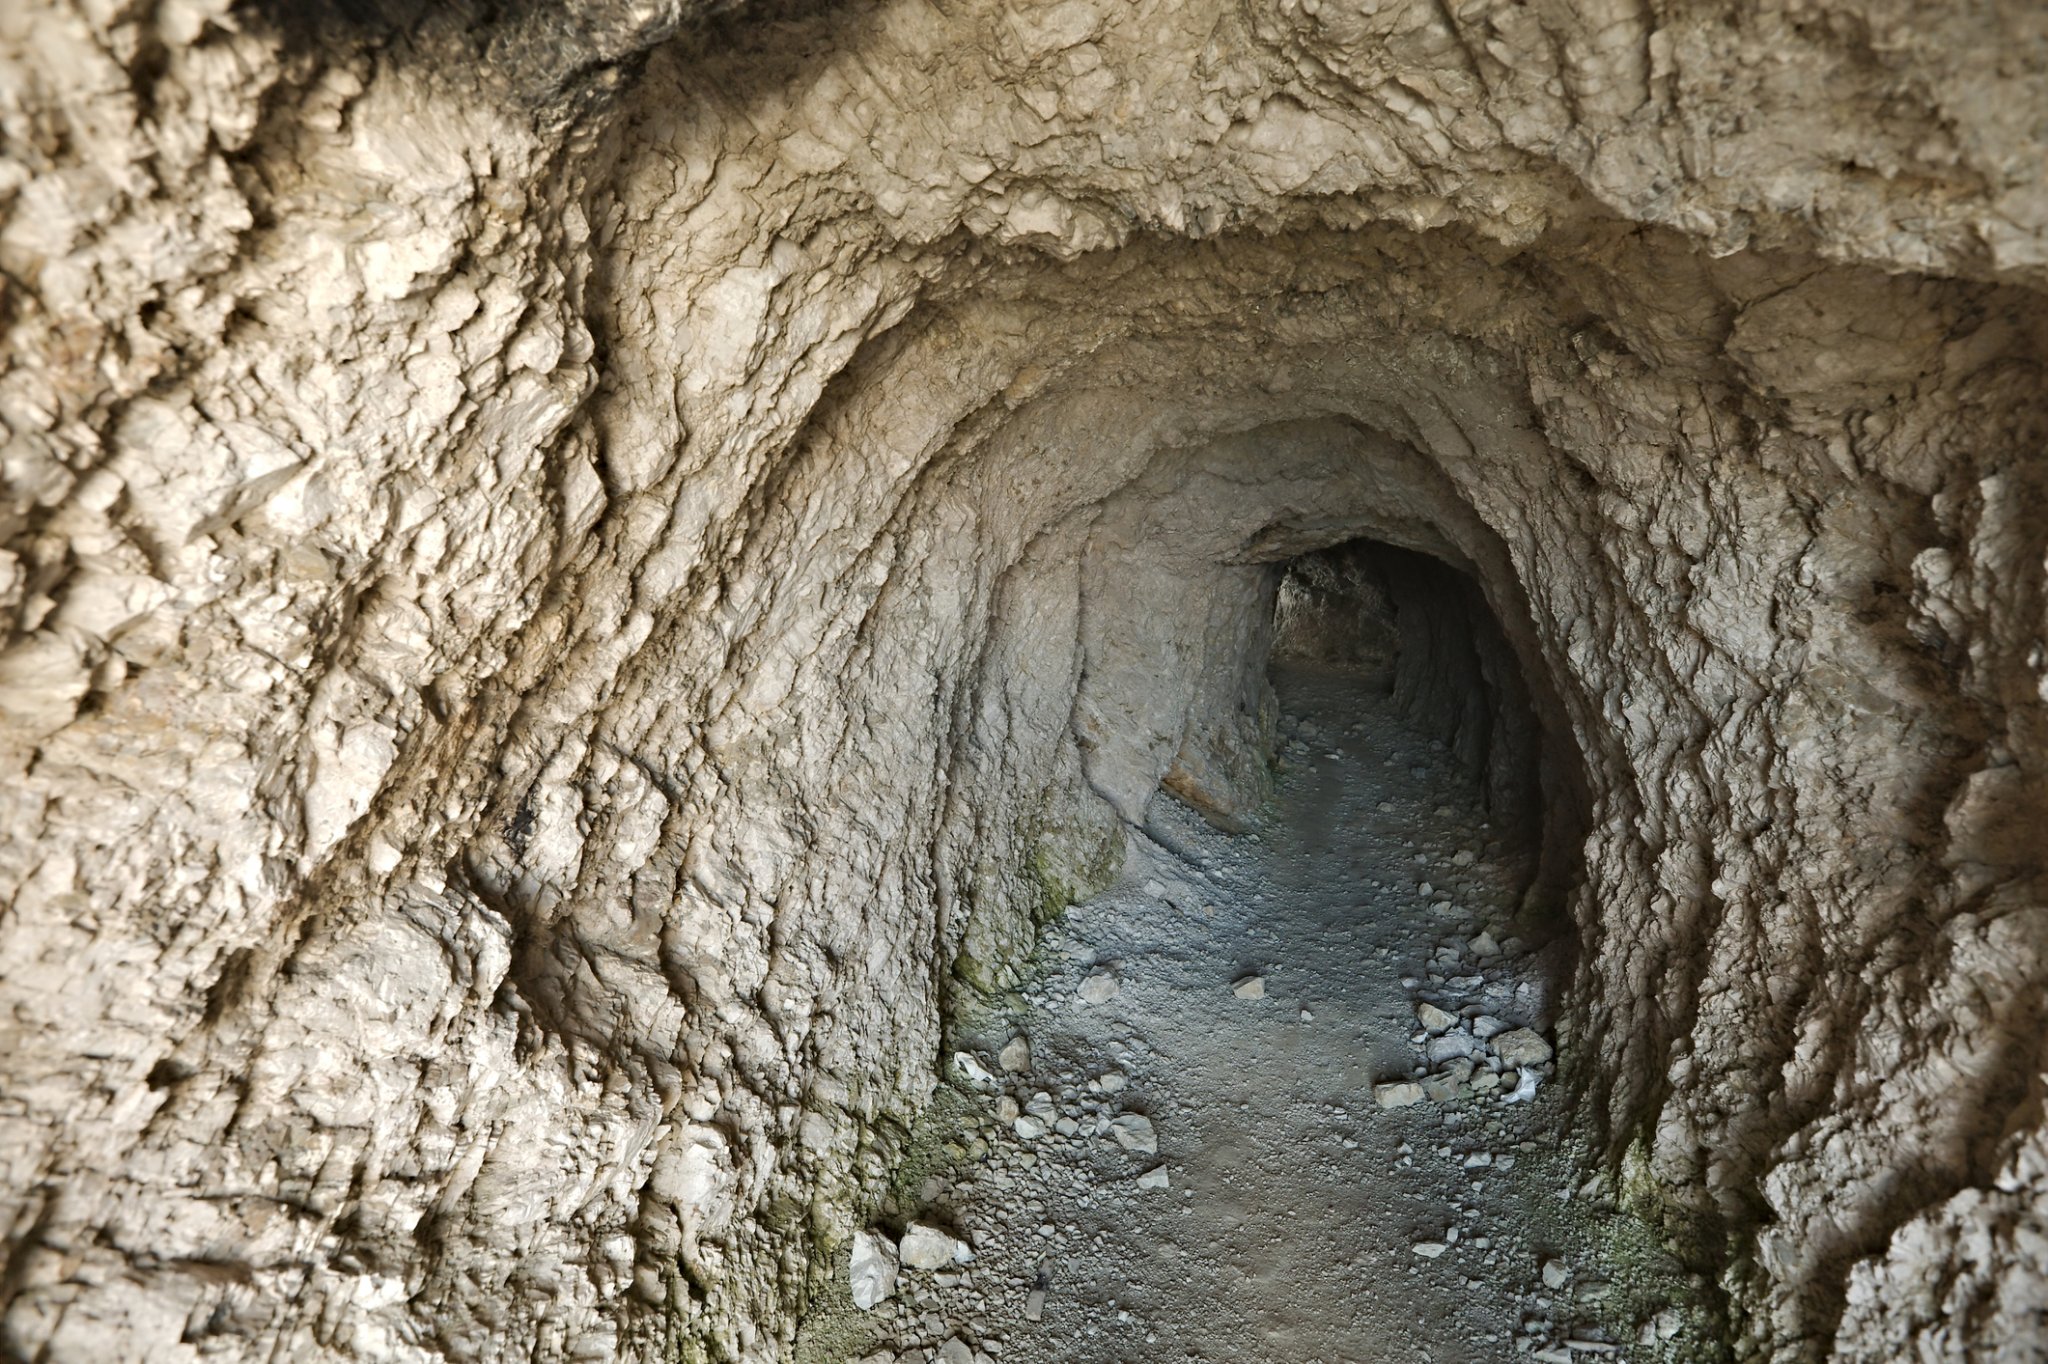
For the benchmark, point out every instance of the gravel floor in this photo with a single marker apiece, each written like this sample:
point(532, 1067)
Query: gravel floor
point(1234, 1000)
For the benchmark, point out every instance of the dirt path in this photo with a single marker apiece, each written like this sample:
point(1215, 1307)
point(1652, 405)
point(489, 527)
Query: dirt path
point(1300, 1221)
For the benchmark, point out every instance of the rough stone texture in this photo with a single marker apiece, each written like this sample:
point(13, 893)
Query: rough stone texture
point(569, 573)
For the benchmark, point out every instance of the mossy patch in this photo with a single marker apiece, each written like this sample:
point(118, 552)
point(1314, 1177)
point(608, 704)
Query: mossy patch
point(1599, 1227)
point(833, 1330)
point(939, 1139)
point(1071, 858)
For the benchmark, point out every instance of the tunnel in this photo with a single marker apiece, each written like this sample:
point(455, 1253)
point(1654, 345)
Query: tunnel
point(1159, 1134)
point(1420, 633)
point(660, 659)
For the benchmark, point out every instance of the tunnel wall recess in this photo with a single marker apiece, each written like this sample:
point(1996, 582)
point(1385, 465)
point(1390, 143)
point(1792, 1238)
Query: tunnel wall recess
point(569, 572)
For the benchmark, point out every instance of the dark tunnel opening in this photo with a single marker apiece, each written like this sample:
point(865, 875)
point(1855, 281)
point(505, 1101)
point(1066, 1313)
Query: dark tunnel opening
point(1420, 633)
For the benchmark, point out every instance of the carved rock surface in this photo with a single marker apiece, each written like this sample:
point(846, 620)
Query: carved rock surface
point(569, 572)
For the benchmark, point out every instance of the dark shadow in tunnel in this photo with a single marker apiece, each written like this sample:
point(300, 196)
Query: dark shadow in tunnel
point(1421, 633)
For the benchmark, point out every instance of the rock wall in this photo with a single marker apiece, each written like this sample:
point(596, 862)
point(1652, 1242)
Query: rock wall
point(572, 572)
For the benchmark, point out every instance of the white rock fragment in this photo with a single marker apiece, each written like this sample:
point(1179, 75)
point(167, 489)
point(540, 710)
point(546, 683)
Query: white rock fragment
point(1250, 987)
point(1015, 1056)
point(1433, 1019)
point(1556, 1274)
point(1034, 1305)
point(1028, 1127)
point(1156, 889)
point(1524, 1090)
point(1099, 986)
point(1397, 1094)
point(955, 1351)
point(1429, 1250)
point(927, 1247)
point(971, 1071)
point(1521, 1047)
point(1155, 1179)
point(1443, 1086)
point(1483, 946)
point(1451, 1046)
point(873, 1269)
point(1134, 1132)
point(1111, 1082)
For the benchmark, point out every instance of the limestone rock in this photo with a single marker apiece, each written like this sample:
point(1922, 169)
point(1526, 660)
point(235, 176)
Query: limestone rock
point(1099, 987)
point(927, 1247)
point(1441, 1087)
point(1451, 1046)
point(873, 1270)
point(1521, 1047)
point(1397, 1094)
point(1433, 1019)
point(1133, 1132)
